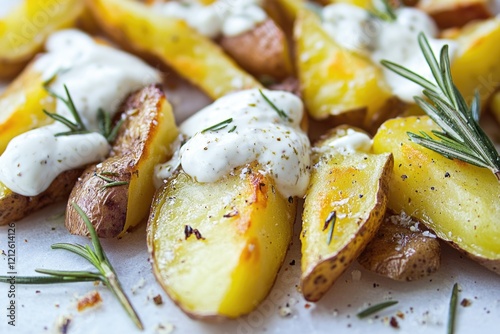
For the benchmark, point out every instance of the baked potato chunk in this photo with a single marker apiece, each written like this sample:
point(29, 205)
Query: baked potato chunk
point(21, 106)
point(241, 228)
point(116, 194)
point(14, 206)
point(476, 65)
point(401, 250)
point(24, 30)
point(336, 83)
point(262, 51)
point(456, 200)
point(136, 26)
point(344, 206)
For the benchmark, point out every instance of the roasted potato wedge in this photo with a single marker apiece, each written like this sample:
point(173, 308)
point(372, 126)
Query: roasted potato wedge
point(14, 206)
point(456, 13)
point(402, 251)
point(456, 200)
point(24, 30)
point(336, 82)
point(476, 65)
point(142, 142)
point(22, 104)
point(344, 206)
point(244, 227)
point(262, 51)
point(136, 26)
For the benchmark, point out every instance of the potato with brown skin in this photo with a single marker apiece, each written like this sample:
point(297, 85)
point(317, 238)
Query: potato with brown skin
point(14, 206)
point(456, 13)
point(344, 206)
point(401, 253)
point(24, 30)
point(116, 194)
point(261, 51)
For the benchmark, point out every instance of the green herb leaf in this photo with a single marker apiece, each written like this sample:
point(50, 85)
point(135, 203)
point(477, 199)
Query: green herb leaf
point(330, 221)
point(218, 126)
point(462, 137)
point(376, 308)
point(280, 112)
point(453, 309)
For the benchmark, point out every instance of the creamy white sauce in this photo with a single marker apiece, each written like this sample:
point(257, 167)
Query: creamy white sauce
point(97, 77)
point(7, 6)
point(355, 29)
point(256, 133)
point(352, 141)
point(229, 18)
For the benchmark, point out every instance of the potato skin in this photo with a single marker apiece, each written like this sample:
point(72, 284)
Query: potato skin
point(401, 254)
point(456, 200)
point(247, 228)
point(261, 51)
point(142, 141)
point(355, 187)
point(14, 206)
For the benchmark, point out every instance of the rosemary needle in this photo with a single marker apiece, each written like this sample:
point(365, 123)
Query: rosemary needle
point(461, 136)
point(375, 308)
point(96, 256)
point(280, 112)
point(453, 309)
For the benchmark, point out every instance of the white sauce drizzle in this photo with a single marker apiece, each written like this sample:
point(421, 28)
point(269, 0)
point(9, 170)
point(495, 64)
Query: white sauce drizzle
point(7, 6)
point(97, 76)
point(229, 18)
point(256, 133)
point(352, 141)
point(355, 29)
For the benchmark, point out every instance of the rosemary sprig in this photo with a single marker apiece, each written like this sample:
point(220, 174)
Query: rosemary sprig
point(110, 182)
point(104, 121)
point(96, 256)
point(461, 137)
point(280, 112)
point(376, 308)
point(76, 127)
point(453, 309)
point(218, 126)
point(386, 13)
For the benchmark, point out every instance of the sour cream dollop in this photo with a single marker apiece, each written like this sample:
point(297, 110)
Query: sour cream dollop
point(355, 29)
point(97, 77)
point(249, 130)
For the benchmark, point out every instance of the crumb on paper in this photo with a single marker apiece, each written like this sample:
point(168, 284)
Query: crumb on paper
point(158, 300)
point(91, 299)
point(307, 305)
point(393, 323)
point(62, 324)
point(356, 275)
point(285, 311)
point(466, 302)
point(140, 284)
point(164, 328)
point(400, 314)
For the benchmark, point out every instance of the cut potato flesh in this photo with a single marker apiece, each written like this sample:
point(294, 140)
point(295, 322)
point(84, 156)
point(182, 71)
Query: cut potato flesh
point(244, 226)
point(347, 193)
point(192, 55)
point(456, 200)
point(143, 141)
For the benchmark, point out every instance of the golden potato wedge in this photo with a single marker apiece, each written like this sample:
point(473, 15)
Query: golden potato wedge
point(336, 82)
point(14, 206)
point(262, 51)
point(344, 206)
point(241, 230)
point(142, 142)
point(495, 106)
point(456, 13)
point(476, 65)
point(456, 200)
point(22, 104)
point(24, 30)
point(402, 251)
point(195, 57)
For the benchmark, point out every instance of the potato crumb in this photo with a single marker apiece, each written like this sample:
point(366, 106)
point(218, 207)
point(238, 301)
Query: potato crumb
point(164, 328)
point(356, 275)
point(91, 299)
point(285, 311)
point(158, 300)
point(465, 302)
point(139, 285)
